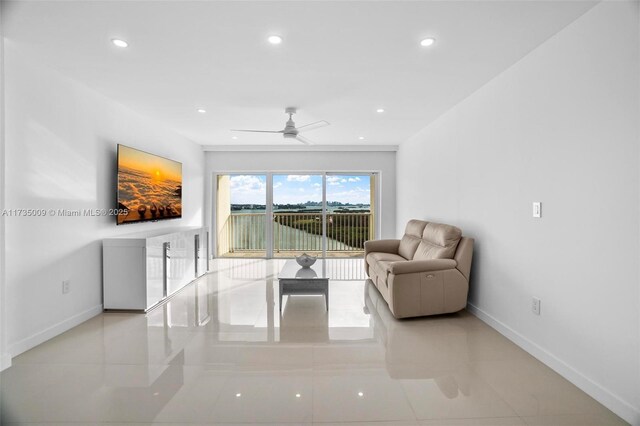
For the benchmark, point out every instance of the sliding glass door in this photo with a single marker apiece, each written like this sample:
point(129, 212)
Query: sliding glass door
point(297, 215)
point(284, 215)
point(349, 215)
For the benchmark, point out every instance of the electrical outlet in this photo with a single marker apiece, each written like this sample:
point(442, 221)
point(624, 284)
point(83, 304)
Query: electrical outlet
point(537, 209)
point(66, 286)
point(535, 306)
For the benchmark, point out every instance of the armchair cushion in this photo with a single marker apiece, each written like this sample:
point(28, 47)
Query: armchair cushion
point(381, 262)
point(412, 266)
point(384, 257)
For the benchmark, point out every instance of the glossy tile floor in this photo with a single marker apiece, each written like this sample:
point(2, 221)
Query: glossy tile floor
point(220, 353)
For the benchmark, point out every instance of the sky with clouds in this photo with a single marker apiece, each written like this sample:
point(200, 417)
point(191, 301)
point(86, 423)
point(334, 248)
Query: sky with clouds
point(294, 189)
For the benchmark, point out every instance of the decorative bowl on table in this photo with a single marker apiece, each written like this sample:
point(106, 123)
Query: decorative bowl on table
point(305, 260)
point(307, 273)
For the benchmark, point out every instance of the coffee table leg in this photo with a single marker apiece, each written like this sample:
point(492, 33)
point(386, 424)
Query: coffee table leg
point(326, 295)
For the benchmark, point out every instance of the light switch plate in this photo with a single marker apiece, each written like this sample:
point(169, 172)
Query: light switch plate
point(537, 209)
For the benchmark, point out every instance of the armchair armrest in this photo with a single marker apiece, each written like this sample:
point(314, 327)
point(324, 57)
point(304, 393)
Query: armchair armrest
point(412, 266)
point(382, 246)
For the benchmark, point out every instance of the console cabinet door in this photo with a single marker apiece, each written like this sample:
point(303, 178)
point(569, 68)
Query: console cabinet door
point(176, 263)
point(201, 253)
point(124, 276)
point(155, 273)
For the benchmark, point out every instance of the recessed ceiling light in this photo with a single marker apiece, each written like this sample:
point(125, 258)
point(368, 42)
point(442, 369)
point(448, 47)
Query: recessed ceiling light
point(119, 43)
point(275, 39)
point(380, 110)
point(361, 138)
point(298, 395)
point(360, 394)
point(238, 395)
point(201, 110)
point(234, 137)
point(427, 42)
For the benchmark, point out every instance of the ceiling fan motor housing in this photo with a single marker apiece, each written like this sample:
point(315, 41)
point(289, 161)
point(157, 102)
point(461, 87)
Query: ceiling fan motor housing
point(290, 130)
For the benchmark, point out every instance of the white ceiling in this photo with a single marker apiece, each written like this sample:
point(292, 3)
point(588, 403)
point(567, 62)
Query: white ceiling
point(339, 60)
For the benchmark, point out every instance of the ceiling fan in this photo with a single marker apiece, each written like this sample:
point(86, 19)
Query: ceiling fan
point(290, 130)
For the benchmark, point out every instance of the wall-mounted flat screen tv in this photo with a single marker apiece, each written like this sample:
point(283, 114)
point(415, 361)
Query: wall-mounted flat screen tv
point(149, 187)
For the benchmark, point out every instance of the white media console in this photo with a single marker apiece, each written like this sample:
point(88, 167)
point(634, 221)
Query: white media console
point(142, 270)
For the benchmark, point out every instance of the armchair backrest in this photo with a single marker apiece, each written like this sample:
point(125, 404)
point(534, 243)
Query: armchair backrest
point(439, 241)
point(411, 238)
point(429, 240)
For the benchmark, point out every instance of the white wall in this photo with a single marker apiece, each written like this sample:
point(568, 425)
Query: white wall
point(286, 161)
point(5, 359)
point(61, 153)
point(560, 127)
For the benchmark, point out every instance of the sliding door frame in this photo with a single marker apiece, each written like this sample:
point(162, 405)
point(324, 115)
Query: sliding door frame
point(268, 229)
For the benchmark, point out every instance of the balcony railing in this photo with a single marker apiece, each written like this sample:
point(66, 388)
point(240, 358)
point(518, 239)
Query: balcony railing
point(244, 233)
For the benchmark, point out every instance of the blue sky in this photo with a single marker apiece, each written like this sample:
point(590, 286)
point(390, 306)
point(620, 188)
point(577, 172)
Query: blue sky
point(293, 189)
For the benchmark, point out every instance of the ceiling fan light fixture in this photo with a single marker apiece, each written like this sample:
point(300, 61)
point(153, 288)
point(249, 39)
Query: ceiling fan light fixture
point(274, 39)
point(426, 42)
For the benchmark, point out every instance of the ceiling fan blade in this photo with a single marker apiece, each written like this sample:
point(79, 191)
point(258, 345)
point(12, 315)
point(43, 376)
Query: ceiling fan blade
point(313, 126)
point(304, 140)
point(258, 131)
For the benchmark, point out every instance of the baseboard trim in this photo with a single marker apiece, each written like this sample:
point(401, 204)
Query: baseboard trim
point(598, 392)
point(53, 331)
point(5, 361)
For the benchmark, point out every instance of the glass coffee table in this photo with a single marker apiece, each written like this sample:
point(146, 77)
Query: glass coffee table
point(294, 279)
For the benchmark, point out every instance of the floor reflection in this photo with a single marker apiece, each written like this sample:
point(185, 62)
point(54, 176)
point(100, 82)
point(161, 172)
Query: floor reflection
point(304, 319)
point(221, 351)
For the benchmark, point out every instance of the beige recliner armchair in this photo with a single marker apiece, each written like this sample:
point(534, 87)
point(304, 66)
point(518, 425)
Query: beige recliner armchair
point(424, 273)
